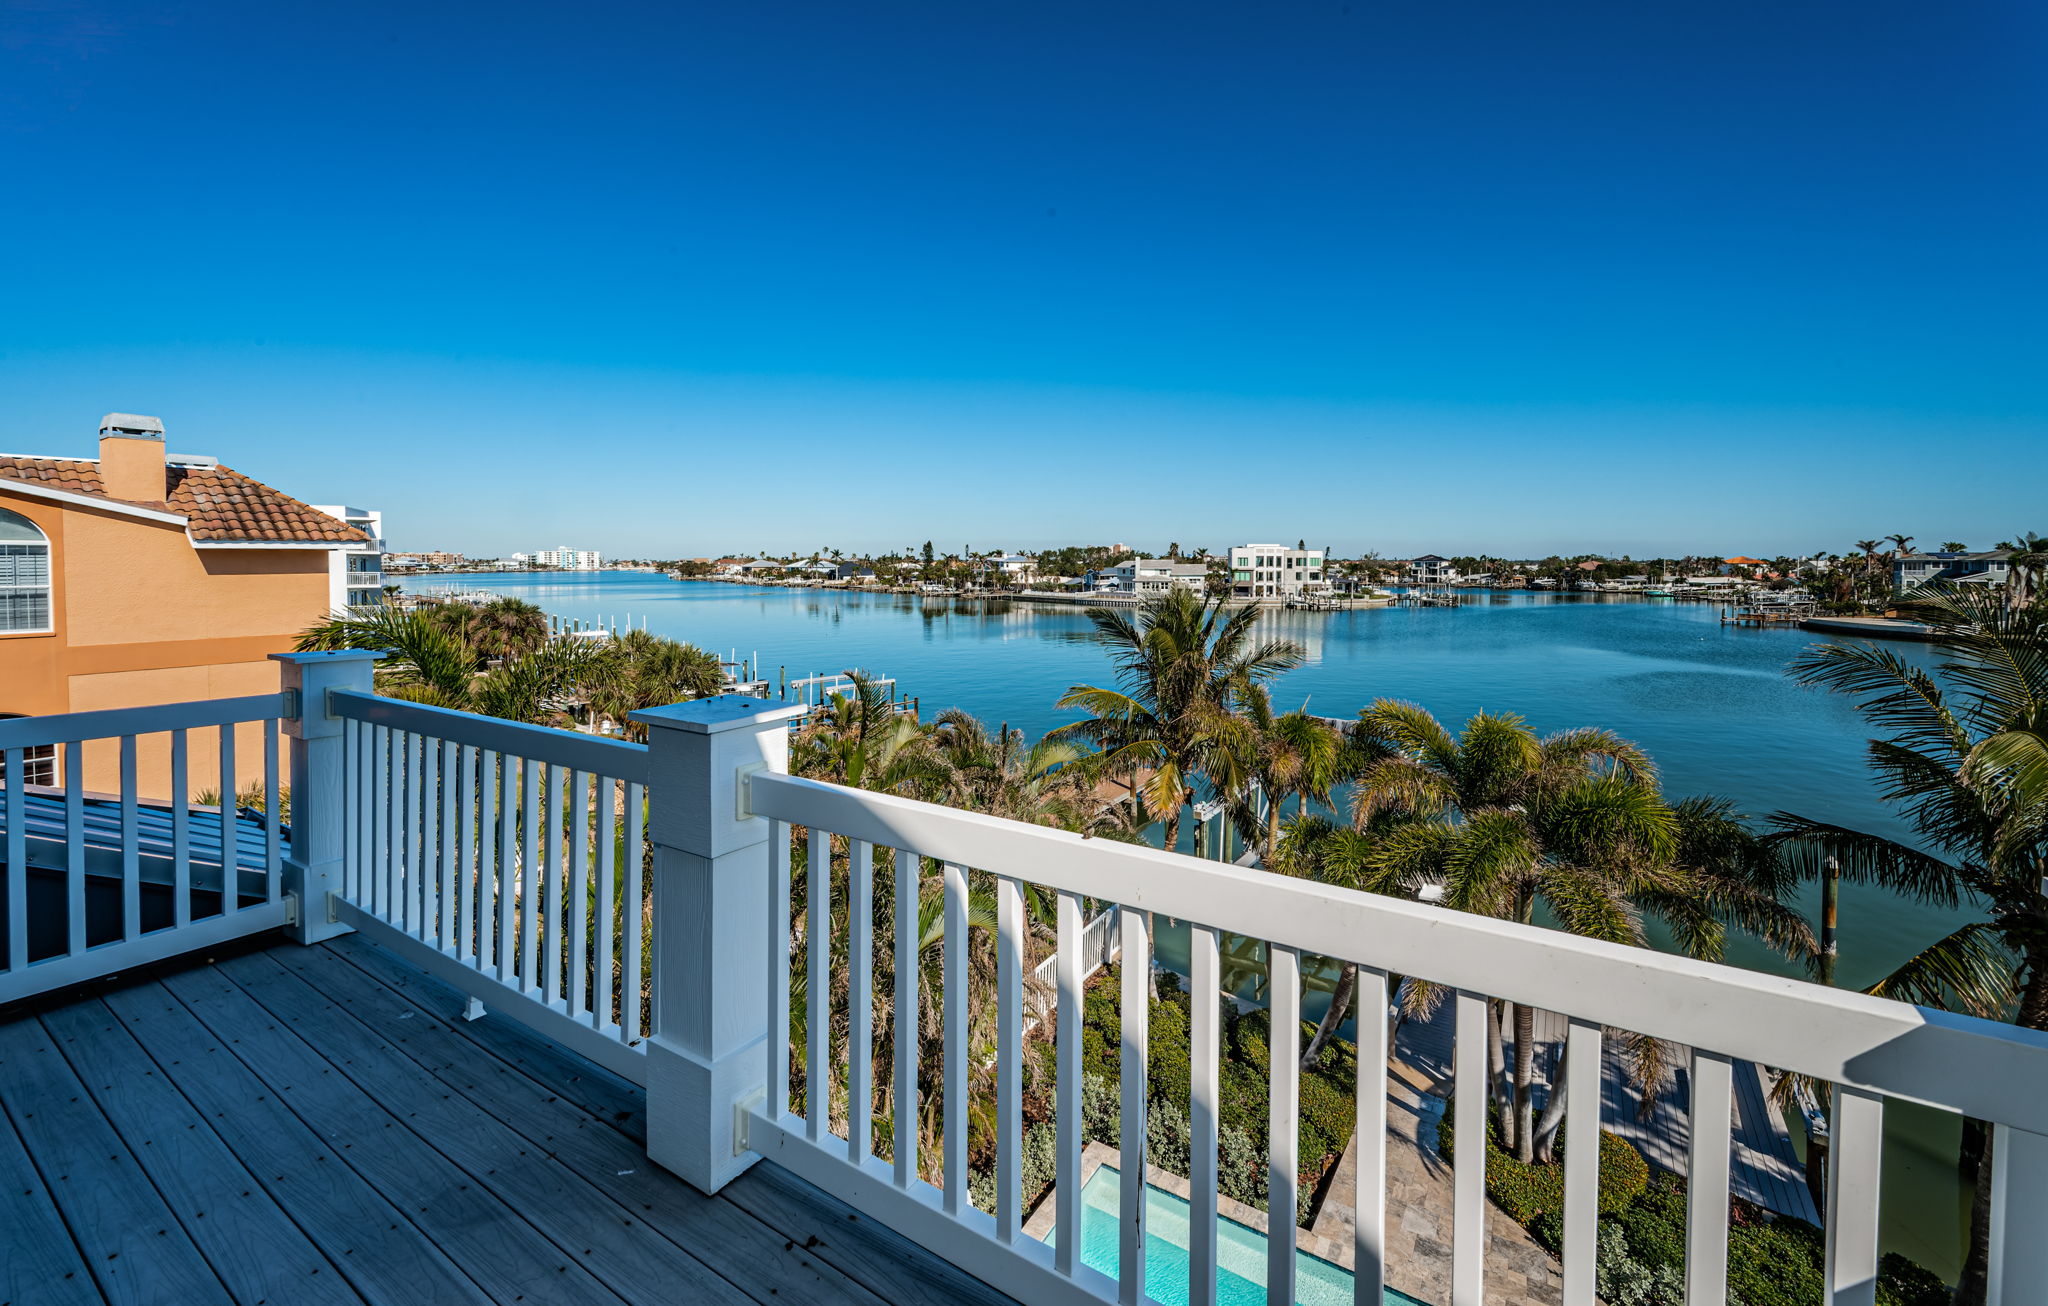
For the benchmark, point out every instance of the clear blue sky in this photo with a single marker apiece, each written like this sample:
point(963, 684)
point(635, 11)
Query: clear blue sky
point(676, 278)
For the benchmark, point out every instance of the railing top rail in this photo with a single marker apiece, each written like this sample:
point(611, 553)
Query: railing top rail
point(74, 727)
point(614, 758)
point(1983, 1068)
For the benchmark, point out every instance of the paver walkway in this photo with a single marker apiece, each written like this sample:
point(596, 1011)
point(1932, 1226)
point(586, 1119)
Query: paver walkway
point(1518, 1271)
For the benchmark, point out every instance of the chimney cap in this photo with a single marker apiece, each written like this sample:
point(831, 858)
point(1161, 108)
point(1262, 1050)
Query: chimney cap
point(132, 424)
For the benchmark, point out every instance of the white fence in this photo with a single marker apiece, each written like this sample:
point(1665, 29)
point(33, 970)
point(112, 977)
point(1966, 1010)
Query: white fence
point(102, 881)
point(1870, 1048)
point(506, 859)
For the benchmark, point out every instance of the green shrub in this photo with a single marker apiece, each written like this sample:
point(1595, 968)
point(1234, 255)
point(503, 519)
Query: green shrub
point(1903, 1282)
point(1622, 1280)
point(1527, 1192)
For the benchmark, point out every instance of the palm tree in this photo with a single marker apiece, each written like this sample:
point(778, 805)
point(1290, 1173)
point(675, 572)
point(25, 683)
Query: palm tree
point(1293, 755)
point(1953, 546)
point(2029, 559)
point(1964, 758)
point(1899, 544)
point(433, 660)
point(638, 670)
point(1183, 667)
point(997, 773)
point(1869, 549)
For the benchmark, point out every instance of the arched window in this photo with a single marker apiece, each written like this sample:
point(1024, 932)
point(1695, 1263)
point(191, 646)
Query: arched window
point(24, 575)
point(38, 761)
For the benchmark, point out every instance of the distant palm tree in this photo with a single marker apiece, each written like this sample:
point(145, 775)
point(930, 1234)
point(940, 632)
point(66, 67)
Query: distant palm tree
point(638, 670)
point(2029, 559)
point(1183, 669)
point(1953, 546)
point(433, 660)
point(1900, 543)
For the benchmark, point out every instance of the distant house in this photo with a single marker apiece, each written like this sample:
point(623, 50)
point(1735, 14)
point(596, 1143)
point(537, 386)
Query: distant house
point(1987, 567)
point(853, 573)
point(1430, 569)
point(1150, 576)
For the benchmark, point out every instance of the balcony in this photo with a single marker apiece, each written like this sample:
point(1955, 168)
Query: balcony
point(506, 1013)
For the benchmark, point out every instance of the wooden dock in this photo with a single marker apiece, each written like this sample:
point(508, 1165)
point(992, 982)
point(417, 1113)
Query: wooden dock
point(317, 1125)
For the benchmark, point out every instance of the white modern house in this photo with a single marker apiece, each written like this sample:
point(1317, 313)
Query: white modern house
point(565, 559)
point(356, 571)
point(1143, 576)
point(1275, 571)
point(1431, 569)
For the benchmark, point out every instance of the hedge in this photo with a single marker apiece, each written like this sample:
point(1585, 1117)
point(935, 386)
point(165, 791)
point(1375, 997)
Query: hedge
point(1533, 1195)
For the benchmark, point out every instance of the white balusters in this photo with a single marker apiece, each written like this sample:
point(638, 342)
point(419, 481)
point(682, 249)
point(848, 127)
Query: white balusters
point(1855, 1147)
point(17, 858)
point(1204, 1038)
point(74, 850)
point(273, 816)
point(230, 852)
point(1009, 1058)
point(1067, 1107)
point(1369, 1237)
point(466, 847)
point(607, 900)
point(552, 869)
point(446, 768)
point(1468, 1182)
point(131, 845)
point(817, 973)
point(532, 876)
point(779, 959)
point(1581, 1161)
point(490, 866)
point(633, 980)
point(1707, 1159)
point(860, 1001)
point(508, 870)
point(1135, 1079)
point(909, 902)
point(578, 919)
point(181, 824)
point(953, 1101)
point(1283, 1121)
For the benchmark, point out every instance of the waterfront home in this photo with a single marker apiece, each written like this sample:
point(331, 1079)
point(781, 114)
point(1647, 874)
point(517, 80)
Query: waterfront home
point(1145, 576)
point(1275, 571)
point(1984, 567)
point(140, 577)
point(1431, 569)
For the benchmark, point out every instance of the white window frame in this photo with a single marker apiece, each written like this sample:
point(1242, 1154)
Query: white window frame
point(48, 588)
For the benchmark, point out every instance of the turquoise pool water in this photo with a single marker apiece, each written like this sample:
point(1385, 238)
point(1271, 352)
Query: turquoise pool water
point(1240, 1252)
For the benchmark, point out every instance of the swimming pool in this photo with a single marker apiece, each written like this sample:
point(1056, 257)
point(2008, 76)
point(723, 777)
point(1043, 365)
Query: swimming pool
point(1240, 1252)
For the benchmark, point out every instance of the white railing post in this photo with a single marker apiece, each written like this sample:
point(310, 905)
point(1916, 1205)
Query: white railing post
point(2019, 1212)
point(319, 782)
point(707, 1051)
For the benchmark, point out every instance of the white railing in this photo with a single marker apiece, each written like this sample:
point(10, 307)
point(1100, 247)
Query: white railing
point(505, 858)
point(1870, 1049)
point(133, 870)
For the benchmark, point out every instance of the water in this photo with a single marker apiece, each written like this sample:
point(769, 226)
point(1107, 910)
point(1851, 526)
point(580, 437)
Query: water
point(1240, 1252)
point(1711, 703)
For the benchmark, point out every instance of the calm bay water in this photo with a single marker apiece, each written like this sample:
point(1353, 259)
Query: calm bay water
point(1711, 703)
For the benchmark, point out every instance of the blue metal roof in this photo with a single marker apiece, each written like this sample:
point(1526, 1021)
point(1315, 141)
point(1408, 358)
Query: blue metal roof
point(45, 823)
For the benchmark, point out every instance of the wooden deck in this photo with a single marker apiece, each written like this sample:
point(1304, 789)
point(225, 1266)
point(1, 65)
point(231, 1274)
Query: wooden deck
point(319, 1125)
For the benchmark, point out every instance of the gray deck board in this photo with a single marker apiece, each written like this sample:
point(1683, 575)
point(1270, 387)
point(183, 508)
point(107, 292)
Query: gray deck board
point(134, 1245)
point(258, 1252)
point(725, 1237)
point(384, 1255)
point(799, 1217)
point(420, 1157)
point(494, 1243)
point(581, 1216)
point(42, 1267)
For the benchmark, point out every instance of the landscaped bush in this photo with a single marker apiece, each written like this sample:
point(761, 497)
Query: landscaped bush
point(1530, 1193)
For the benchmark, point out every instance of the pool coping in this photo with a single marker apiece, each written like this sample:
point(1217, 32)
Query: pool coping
point(1339, 1252)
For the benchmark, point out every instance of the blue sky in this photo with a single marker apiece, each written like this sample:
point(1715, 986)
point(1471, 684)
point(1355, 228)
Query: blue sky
point(673, 279)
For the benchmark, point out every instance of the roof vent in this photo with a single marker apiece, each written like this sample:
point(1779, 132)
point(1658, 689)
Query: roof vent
point(132, 424)
point(190, 460)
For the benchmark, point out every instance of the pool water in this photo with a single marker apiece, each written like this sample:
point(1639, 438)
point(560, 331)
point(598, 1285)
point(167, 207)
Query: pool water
point(1240, 1252)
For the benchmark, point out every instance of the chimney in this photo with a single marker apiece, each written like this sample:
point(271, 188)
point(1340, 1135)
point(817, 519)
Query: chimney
point(132, 457)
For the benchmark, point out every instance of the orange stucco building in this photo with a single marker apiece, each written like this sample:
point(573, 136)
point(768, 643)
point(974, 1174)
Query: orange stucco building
point(137, 578)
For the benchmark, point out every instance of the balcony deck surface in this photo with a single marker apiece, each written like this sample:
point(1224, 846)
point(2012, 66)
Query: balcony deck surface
point(287, 1124)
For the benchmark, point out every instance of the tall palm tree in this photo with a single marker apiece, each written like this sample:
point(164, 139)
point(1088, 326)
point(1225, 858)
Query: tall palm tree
point(1869, 549)
point(1293, 755)
point(1964, 758)
point(639, 670)
point(1183, 668)
point(433, 660)
point(1900, 543)
point(2029, 559)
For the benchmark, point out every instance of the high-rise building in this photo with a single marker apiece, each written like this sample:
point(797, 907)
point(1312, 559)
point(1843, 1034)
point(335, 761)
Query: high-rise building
point(566, 559)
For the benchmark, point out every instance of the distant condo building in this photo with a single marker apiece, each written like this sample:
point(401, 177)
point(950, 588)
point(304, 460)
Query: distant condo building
point(564, 559)
point(355, 572)
point(1430, 569)
point(1275, 571)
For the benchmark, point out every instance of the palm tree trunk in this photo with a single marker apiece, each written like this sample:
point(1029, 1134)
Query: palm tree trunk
point(1553, 1113)
point(1525, 1067)
point(1496, 1082)
point(1340, 1003)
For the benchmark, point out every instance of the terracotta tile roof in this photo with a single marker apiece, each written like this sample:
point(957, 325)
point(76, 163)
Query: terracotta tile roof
point(220, 505)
